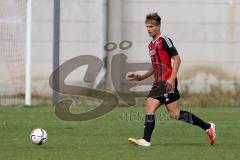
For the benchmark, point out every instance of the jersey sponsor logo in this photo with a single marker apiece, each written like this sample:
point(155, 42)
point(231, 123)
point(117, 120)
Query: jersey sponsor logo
point(152, 52)
point(153, 48)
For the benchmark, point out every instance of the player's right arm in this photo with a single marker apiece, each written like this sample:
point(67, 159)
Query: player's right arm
point(138, 77)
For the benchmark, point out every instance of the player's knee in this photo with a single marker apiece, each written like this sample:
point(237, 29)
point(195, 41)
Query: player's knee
point(151, 105)
point(152, 101)
point(174, 114)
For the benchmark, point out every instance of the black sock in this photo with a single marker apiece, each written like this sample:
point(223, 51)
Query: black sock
point(191, 118)
point(149, 126)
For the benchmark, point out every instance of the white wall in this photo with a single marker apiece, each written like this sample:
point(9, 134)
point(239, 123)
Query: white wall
point(205, 32)
point(81, 31)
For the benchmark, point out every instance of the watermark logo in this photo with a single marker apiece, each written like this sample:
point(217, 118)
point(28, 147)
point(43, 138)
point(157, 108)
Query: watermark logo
point(109, 100)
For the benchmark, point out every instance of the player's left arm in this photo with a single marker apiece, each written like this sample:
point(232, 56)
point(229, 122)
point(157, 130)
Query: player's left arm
point(171, 81)
point(173, 53)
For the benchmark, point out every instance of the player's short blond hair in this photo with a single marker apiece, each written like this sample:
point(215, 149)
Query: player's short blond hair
point(153, 18)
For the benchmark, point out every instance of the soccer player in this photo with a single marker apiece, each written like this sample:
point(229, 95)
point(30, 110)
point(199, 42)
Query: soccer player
point(164, 90)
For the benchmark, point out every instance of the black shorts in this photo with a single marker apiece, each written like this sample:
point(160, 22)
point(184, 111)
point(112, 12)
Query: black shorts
point(159, 92)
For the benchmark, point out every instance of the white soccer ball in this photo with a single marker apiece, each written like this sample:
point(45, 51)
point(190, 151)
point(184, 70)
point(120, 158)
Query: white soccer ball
point(38, 136)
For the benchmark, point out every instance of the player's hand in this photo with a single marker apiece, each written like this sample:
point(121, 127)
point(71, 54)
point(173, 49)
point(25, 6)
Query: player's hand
point(134, 77)
point(170, 85)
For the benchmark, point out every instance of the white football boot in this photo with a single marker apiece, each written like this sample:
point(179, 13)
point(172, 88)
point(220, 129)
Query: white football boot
point(139, 142)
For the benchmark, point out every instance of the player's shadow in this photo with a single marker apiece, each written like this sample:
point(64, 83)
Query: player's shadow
point(196, 144)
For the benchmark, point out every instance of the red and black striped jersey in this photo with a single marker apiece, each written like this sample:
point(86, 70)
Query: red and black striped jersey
point(161, 50)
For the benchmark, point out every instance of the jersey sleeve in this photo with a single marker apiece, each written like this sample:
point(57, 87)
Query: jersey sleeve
point(167, 43)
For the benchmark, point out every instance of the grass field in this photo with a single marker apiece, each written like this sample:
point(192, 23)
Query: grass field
point(106, 137)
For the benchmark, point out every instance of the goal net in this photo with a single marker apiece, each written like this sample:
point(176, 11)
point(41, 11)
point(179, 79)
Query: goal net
point(12, 50)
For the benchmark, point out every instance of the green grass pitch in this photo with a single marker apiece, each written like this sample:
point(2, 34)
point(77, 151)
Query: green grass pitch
point(106, 137)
